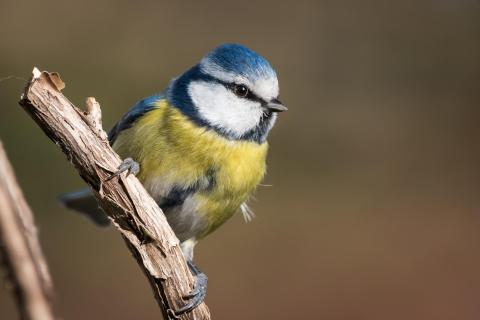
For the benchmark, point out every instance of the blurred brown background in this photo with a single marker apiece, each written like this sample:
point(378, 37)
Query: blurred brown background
point(374, 209)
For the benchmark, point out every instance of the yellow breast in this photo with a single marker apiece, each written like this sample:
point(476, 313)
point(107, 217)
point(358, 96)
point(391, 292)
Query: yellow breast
point(173, 150)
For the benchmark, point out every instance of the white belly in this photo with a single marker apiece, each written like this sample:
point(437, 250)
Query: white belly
point(185, 219)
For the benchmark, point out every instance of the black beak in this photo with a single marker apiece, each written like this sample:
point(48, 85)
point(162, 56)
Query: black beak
point(276, 105)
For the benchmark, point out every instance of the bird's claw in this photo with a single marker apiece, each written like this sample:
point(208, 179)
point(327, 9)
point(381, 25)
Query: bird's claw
point(129, 165)
point(197, 295)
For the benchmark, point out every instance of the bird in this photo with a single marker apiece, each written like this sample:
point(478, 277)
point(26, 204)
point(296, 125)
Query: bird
point(199, 147)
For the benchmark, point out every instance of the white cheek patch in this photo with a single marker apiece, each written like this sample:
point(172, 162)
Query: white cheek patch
point(222, 108)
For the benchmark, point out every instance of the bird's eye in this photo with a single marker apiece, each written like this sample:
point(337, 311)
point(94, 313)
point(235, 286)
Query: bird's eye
point(240, 90)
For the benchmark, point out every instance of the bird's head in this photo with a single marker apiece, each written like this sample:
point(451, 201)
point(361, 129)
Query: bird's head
point(233, 91)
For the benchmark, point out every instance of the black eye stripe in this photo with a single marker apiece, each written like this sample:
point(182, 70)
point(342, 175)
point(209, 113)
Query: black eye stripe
point(250, 95)
point(231, 85)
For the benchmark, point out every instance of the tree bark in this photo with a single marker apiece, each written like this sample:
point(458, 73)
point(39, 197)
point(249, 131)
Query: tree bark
point(134, 213)
point(21, 251)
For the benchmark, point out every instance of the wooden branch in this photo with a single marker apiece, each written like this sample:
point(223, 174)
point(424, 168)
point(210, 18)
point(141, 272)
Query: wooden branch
point(135, 214)
point(21, 249)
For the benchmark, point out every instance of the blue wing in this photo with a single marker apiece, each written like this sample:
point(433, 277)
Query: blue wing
point(138, 110)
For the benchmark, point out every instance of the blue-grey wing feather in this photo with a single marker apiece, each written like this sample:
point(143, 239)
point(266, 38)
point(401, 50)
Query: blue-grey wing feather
point(138, 110)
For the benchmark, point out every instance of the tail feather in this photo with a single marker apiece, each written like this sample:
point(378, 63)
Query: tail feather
point(85, 203)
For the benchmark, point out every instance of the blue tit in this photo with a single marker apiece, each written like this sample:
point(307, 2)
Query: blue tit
point(200, 146)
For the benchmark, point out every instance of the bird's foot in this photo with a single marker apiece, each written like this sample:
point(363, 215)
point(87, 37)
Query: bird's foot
point(197, 295)
point(128, 165)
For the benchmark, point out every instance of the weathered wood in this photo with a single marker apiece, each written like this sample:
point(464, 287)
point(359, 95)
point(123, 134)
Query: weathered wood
point(21, 251)
point(135, 214)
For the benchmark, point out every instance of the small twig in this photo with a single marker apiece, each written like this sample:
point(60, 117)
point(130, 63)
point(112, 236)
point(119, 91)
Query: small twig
point(12, 77)
point(21, 249)
point(134, 213)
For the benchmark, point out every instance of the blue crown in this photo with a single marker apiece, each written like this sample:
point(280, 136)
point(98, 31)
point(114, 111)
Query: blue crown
point(241, 60)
